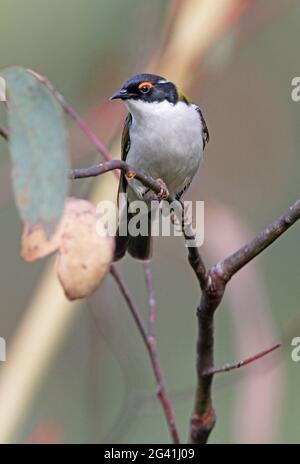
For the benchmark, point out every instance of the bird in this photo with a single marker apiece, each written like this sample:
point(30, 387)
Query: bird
point(164, 137)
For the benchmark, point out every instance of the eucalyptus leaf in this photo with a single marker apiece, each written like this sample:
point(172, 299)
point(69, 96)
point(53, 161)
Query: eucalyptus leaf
point(38, 147)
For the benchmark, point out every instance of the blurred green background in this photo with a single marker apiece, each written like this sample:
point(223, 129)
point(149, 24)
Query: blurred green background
point(100, 387)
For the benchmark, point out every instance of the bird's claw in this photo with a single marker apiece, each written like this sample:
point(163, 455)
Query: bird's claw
point(163, 194)
point(130, 175)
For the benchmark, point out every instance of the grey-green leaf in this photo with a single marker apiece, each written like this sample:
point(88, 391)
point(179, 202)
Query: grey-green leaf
point(38, 148)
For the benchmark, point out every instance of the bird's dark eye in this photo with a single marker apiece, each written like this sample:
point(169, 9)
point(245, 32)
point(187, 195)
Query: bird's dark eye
point(145, 87)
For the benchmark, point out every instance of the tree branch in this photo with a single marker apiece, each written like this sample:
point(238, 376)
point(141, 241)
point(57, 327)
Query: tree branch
point(151, 299)
point(244, 362)
point(213, 284)
point(150, 342)
point(194, 256)
point(130, 304)
point(74, 115)
point(203, 417)
point(229, 266)
point(111, 165)
point(161, 390)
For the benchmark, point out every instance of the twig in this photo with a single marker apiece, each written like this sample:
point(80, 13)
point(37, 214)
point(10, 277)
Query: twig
point(111, 165)
point(74, 115)
point(130, 304)
point(203, 417)
point(194, 256)
point(150, 343)
point(229, 266)
point(161, 390)
point(4, 133)
point(151, 299)
point(212, 283)
point(244, 362)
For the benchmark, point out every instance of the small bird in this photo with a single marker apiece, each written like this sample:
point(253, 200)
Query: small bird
point(164, 136)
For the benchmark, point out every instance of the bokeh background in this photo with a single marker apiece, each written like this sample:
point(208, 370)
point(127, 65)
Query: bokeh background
point(237, 60)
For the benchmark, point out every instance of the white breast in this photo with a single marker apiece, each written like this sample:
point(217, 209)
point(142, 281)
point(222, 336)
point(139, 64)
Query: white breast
point(166, 141)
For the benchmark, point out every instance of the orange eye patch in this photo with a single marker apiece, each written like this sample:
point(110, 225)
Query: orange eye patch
point(145, 87)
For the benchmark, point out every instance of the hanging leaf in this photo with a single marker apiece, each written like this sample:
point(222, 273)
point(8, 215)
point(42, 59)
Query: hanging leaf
point(86, 251)
point(36, 245)
point(38, 149)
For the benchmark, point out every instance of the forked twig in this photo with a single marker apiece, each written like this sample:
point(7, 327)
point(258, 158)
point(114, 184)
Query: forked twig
point(244, 362)
point(150, 343)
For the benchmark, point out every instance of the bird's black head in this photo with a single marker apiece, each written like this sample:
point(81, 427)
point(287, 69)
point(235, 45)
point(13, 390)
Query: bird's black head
point(148, 88)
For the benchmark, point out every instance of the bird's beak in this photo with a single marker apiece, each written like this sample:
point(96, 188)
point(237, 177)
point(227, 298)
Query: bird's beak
point(121, 94)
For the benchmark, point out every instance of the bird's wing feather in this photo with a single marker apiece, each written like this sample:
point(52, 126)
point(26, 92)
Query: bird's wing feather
point(205, 133)
point(188, 101)
point(125, 141)
point(205, 138)
point(125, 146)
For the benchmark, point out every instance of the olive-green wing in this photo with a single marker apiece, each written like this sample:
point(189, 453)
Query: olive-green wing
point(205, 133)
point(205, 137)
point(125, 146)
point(125, 141)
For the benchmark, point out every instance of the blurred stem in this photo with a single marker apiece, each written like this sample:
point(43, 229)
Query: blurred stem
point(130, 304)
point(35, 343)
point(150, 342)
point(4, 133)
point(244, 362)
point(151, 299)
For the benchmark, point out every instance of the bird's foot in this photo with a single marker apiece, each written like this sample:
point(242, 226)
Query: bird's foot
point(163, 194)
point(130, 175)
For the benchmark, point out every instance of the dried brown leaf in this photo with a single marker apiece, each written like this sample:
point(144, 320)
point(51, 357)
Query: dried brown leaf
point(36, 245)
point(84, 255)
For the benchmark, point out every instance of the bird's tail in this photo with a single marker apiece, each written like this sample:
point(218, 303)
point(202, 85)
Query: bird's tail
point(139, 247)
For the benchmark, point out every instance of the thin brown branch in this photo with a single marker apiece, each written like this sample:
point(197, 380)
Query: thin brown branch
point(232, 264)
point(150, 343)
point(198, 265)
point(213, 283)
point(4, 133)
point(193, 252)
point(74, 115)
point(203, 417)
point(194, 256)
point(161, 390)
point(111, 165)
point(244, 362)
point(151, 299)
point(130, 304)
